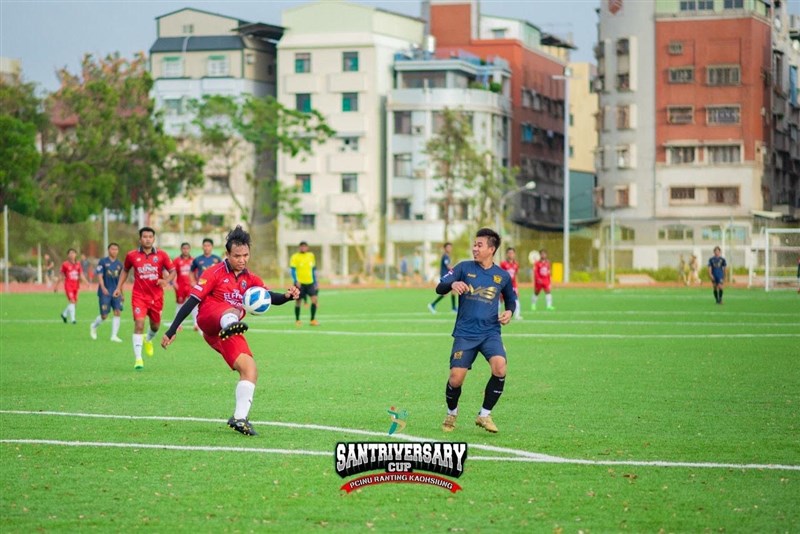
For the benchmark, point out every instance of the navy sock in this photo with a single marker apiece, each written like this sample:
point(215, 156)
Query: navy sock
point(494, 388)
point(451, 395)
point(435, 302)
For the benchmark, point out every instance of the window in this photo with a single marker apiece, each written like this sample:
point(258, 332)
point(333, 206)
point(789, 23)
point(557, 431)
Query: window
point(527, 133)
point(724, 154)
point(681, 155)
point(623, 47)
point(303, 182)
point(402, 165)
point(688, 5)
point(624, 160)
point(722, 115)
point(461, 210)
point(216, 185)
point(350, 183)
point(623, 117)
point(302, 102)
point(705, 5)
point(402, 122)
point(349, 102)
point(681, 193)
point(188, 29)
point(350, 61)
point(711, 233)
point(350, 221)
point(307, 221)
point(623, 82)
point(723, 195)
point(626, 233)
point(438, 121)
point(723, 75)
point(349, 144)
point(499, 33)
point(402, 209)
point(733, 4)
point(676, 232)
point(681, 75)
point(697, 5)
point(675, 48)
point(172, 67)
point(173, 106)
point(621, 196)
point(218, 65)
point(302, 62)
point(680, 115)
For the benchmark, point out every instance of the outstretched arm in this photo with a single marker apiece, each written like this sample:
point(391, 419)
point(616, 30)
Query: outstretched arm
point(282, 298)
point(169, 336)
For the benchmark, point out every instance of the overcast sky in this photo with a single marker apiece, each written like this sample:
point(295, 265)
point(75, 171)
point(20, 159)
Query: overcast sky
point(49, 34)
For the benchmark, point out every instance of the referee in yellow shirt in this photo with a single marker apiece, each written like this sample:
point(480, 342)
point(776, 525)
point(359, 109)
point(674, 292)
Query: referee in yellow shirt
point(304, 275)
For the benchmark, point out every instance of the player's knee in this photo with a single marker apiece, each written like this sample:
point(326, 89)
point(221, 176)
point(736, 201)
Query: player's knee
point(498, 365)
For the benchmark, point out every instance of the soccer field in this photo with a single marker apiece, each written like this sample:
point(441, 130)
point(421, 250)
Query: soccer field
point(636, 409)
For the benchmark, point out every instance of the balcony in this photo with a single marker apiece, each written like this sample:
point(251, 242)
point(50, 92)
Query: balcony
point(469, 99)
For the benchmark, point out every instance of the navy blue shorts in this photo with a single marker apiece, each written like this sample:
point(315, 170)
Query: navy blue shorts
point(307, 290)
point(466, 350)
point(717, 281)
point(108, 303)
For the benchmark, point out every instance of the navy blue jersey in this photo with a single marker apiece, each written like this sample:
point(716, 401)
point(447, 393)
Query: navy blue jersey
point(717, 264)
point(203, 262)
point(444, 265)
point(109, 270)
point(477, 308)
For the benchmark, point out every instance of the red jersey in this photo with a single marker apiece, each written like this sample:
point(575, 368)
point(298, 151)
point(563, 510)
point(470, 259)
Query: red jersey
point(147, 269)
point(512, 268)
point(541, 273)
point(72, 275)
point(183, 268)
point(219, 289)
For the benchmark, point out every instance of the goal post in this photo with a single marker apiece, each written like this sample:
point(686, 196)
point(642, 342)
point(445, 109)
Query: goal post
point(781, 256)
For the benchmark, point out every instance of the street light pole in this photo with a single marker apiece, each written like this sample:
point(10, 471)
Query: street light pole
point(566, 77)
point(529, 186)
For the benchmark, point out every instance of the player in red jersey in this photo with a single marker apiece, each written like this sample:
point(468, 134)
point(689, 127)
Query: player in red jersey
point(511, 266)
point(72, 275)
point(219, 293)
point(147, 298)
point(183, 277)
point(541, 281)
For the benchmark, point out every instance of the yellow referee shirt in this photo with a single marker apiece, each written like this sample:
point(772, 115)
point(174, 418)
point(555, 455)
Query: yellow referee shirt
point(302, 264)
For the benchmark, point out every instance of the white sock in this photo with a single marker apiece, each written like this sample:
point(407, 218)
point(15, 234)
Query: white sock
point(533, 300)
point(114, 326)
point(71, 309)
point(548, 298)
point(244, 399)
point(137, 346)
point(484, 412)
point(452, 412)
point(194, 315)
point(518, 309)
point(226, 320)
point(97, 321)
point(151, 334)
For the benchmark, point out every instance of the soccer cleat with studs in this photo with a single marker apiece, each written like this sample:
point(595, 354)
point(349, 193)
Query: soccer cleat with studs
point(116, 339)
point(449, 423)
point(64, 318)
point(148, 348)
point(235, 329)
point(242, 426)
point(139, 365)
point(486, 423)
point(92, 331)
point(314, 322)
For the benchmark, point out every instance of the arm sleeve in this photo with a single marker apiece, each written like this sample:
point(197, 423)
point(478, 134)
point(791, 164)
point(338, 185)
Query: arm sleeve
point(509, 298)
point(182, 314)
point(446, 283)
point(279, 298)
point(314, 275)
point(294, 275)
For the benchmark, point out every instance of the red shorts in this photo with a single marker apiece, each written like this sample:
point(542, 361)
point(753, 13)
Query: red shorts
point(147, 307)
point(230, 348)
point(182, 293)
point(537, 288)
point(72, 294)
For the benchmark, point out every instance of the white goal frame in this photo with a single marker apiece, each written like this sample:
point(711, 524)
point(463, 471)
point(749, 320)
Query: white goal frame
point(772, 282)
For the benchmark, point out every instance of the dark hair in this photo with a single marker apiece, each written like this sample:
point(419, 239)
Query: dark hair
point(445, 245)
point(144, 229)
point(185, 244)
point(112, 244)
point(493, 238)
point(237, 237)
point(303, 243)
point(543, 250)
point(71, 250)
point(510, 249)
point(208, 240)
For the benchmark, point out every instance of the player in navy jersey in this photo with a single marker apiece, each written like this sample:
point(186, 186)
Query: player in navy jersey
point(444, 268)
point(199, 265)
point(716, 271)
point(107, 272)
point(479, 284)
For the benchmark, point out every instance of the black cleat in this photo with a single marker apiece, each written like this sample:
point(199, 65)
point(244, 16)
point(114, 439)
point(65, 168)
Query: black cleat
point(236, 329)
point(64, 318)
point(242, 426)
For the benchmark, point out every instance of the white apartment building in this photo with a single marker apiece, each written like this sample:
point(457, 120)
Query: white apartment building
point(197, 53)
point(337, 58)
point(424, 87)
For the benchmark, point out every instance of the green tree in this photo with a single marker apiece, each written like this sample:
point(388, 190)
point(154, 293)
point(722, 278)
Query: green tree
point(226, 122)
point(19, 161)
point(106, 147)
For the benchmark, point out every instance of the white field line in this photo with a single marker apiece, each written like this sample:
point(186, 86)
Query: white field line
point(506, 334)
point(521, 455)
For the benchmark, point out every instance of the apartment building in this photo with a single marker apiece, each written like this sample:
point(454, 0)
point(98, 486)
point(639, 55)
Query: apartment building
point(683, 127)
point(424, 86)
point(343, 70)
point(197, 53)
point(537, 96)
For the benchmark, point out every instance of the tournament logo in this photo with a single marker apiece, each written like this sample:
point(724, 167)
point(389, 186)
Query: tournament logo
point(400, 463)
point(398, 420)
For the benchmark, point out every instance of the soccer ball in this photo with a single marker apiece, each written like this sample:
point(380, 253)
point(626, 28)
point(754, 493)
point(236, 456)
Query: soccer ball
point(534, 256)
point(256, 300)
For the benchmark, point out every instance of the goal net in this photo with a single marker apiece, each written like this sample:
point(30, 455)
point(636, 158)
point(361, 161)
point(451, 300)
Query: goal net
point(776, 259)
